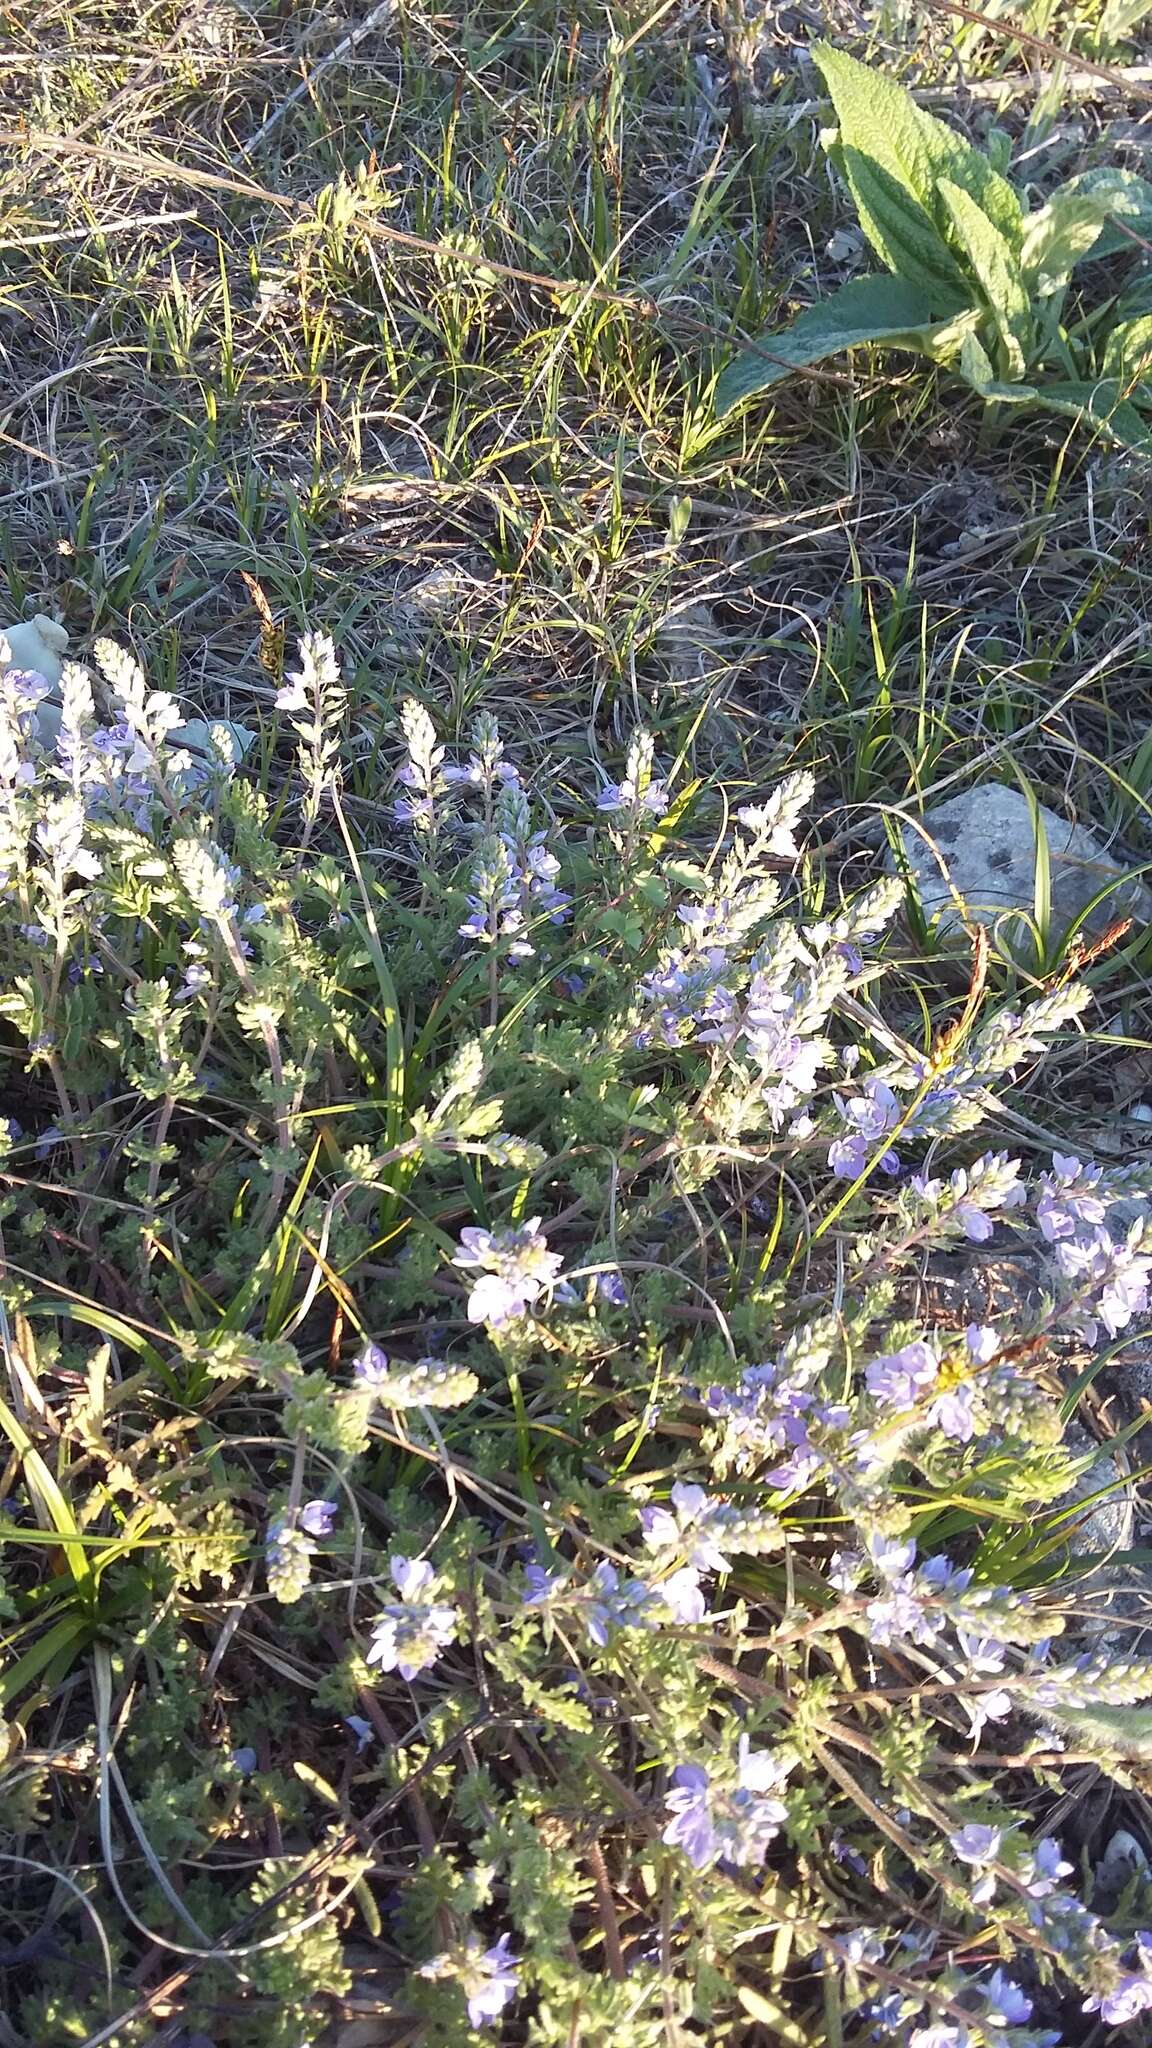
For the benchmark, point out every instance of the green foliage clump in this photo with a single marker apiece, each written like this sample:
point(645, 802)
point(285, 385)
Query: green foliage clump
point(974, 280)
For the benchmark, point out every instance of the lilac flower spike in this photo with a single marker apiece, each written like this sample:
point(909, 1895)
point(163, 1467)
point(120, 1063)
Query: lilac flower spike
point(623, 796)
point(970, 1198)
point(398, 1383)
point(515, 1266)
point(1115, 1277)
point(638, 792)
point(1068, 1204)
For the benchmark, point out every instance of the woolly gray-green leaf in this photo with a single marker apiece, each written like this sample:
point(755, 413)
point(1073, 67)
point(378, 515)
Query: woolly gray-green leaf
point(974, 366)
point(1111, 1733)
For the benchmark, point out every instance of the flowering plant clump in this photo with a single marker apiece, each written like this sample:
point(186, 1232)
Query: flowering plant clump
point(484, 1455)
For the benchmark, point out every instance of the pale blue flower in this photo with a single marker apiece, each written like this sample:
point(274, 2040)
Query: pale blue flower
point(900, 1377)
point(683, 1596)
point(892, 1556)
point(869, 1116)
point(610, 1288)
point(692, 1526)
point(609, 1602)
point(712, 1823)
point(982, 1707)
point(489, 1978)
point(410, 1633)
point(515, 1266)
point(318, 1517)
point(976, 1843)
point(846, 1568)
point(1126, 2000)
point(496, 1982)
point(604, 1603)
point(953, 1412)
point(983, 1342)
point(1043, 1869)
point(1008, 2005)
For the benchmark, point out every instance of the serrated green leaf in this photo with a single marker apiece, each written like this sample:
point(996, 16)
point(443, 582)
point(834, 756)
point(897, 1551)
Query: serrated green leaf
point(908, 152)
point(974, 365)
point(1057, 237)
point(903, 234)
point(866, 309)
point(1100, 403)
point(1122, 196)
point(1128, 350)
point(997, 272)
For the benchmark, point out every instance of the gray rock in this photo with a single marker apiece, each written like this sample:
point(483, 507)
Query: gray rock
point(1114, 1598)
point(689, 639)
point(444, 591)
point(1124, 1857)
point(1110, 1524)
point(979, 1287)
point(984, 840)
point(1125, 1860)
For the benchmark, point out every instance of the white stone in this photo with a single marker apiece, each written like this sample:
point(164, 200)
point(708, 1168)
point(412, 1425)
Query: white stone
point(985, 841)
point(38, 644)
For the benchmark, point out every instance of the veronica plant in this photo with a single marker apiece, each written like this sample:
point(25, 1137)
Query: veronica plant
point(972, 279)
point(516, 1412)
